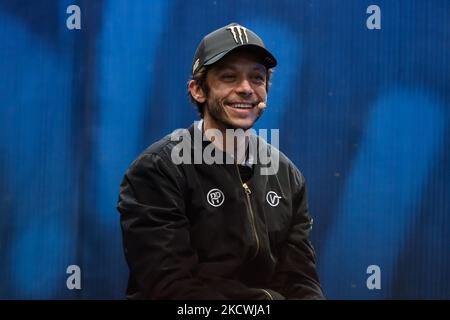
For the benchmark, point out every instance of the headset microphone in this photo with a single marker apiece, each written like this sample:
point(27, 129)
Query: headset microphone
point(262, 105)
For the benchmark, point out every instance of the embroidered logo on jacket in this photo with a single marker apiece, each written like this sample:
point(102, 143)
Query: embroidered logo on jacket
point(273, 198)
point(215, 197)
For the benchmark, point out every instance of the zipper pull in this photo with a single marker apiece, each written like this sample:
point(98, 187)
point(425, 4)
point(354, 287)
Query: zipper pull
point(247, 189)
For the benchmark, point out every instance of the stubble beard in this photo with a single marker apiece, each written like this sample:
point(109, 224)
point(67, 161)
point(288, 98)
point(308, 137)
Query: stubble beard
point(217, 113)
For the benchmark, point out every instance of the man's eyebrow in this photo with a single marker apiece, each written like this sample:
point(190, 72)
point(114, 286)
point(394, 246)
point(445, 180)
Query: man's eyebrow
point(260, 68)
point(225, 67)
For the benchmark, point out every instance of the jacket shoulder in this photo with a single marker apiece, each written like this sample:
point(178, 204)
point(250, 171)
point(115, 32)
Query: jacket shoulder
point(285, 164)
point(161, 148)
point(156, 158)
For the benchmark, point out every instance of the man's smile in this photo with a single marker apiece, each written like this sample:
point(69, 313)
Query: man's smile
point(241, 105)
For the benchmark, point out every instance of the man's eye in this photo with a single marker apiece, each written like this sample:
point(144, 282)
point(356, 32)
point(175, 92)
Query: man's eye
point(228, 76)
point(259, 78)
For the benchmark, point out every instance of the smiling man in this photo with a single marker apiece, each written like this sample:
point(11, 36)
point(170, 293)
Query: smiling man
point(233, 90)
point(219, 230)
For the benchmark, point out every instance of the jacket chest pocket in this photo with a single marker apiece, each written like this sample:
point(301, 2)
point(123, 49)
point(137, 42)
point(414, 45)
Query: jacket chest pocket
point(278, 216)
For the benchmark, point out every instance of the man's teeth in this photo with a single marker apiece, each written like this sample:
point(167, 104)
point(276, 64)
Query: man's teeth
point(242, 105)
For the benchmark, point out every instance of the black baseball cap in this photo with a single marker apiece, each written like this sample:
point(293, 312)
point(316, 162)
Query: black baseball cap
point(221, 42)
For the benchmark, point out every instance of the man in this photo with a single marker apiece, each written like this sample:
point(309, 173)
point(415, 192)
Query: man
point(222, 230)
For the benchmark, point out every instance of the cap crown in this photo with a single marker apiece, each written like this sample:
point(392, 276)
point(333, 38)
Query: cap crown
point(218, 43)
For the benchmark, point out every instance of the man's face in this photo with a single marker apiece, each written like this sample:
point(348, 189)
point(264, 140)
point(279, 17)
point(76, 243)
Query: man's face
point(237, 84)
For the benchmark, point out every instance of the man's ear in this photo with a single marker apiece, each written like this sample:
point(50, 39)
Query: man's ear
point(196, 92)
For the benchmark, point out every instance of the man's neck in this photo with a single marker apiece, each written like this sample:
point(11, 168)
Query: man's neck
point(240, 142)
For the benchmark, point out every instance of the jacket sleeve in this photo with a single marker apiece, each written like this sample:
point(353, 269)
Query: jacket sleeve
point(296, 276)
point(155, 233)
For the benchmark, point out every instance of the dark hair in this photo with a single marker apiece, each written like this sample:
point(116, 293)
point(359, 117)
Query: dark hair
point(200, 76)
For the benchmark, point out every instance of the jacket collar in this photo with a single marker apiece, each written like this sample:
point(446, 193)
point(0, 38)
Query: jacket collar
point(197, 128)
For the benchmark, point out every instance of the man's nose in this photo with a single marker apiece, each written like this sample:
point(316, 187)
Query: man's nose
point(244, 87)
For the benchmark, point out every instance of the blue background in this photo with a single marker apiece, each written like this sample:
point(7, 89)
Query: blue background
point(363, 113)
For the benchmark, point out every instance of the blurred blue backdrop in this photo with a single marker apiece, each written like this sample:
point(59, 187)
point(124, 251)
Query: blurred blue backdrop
point(363, 113)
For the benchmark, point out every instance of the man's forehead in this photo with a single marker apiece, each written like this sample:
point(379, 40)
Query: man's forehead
point(240, 59)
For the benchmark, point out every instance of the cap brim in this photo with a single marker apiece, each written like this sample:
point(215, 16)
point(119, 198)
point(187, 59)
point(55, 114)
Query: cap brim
point(268, 59)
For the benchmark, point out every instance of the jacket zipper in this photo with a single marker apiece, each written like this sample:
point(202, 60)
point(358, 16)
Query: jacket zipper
point(252, 215)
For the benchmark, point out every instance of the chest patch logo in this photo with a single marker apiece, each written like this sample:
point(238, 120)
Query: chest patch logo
point(273, 198)
point(215, 197)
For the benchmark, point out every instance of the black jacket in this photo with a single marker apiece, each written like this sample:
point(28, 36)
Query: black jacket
point(249, 241)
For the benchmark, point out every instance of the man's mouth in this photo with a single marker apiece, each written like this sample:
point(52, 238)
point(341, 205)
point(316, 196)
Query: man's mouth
point(241, 105)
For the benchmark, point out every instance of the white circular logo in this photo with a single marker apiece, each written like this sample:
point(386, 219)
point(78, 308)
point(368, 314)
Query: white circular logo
point(272, 198)
point(215, 197)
